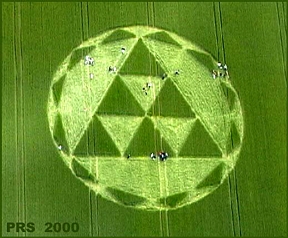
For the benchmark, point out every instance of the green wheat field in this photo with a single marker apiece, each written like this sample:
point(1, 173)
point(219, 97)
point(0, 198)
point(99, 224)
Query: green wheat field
point(78, 136)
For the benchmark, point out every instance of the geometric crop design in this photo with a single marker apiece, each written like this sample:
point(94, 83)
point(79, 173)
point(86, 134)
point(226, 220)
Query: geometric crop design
point(161, 96)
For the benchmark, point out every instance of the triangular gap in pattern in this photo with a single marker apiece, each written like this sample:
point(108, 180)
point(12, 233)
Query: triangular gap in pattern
point(119, 101)
point(170, 103)
point(141, 62)
point(136, 83)
point(59, 134)
point(57, 89)
point(118, 35)
point(125, 198)
point(203, 59)
point(81, 172)
point(200, 144)
point(163, 37)
point(79, 54)
point(229, 95)
point(174, 130)
point(145, 141)
point(121, 129)
point(214, 178)
point(99, 141)
point(233, 141)
point(174, 200)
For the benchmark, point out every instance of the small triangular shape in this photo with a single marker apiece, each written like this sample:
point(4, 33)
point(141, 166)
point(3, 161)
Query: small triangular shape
point(121, 129)
point(229, 94)
point(145, 141)
point(99, 141)
point(199, 143)
point(118, 35)
point(79, 54)
point(174, 130)
point(59, 134)
point(81, 172)
point(81, 149)
point(163, 37)
point(203, 59)
point(174, 200)
point(125, 198)
point(214, 178)
point(57, 89)
point(234, 140)
point(170, 103)
point(141, 62)
point(120, 101)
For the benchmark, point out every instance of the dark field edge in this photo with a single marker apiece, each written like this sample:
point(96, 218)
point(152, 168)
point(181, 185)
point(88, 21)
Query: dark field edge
point(282, 17)
point(263, 149)
point(20, 131)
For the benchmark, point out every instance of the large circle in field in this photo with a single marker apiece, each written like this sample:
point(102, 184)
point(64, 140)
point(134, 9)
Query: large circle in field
point(141, 90)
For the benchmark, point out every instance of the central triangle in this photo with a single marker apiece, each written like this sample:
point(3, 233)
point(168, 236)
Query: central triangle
point(170, 103)
point(174, 130)
point(119, 101)
point(141, 62)
point(121, 129)
point(147, 139)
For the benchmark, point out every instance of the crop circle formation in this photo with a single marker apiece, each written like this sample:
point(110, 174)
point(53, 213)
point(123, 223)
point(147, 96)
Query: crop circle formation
point(134, 92)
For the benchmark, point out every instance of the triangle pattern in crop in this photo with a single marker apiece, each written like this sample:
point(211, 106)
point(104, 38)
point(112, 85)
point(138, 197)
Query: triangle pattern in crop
point(59, 134)
point(57, 89)
point(163, 37)
point(174, 130)
point(233, 141)
point(203, 59)
point(199, 143)
point(136, 83)
point(118, 35)
point(121, 129)
point(229, 95)
point(96, 141)
point(141, 62)
point(145, 140)
point(214, 178)
point(78, 54)
point(119, 101)
point(170, 103)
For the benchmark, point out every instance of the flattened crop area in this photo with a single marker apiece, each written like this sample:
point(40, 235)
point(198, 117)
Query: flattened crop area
point(152, 93)
point(115, 94)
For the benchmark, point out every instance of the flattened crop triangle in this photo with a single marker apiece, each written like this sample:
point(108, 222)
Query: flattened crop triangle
point(141, 62)
point(136, 83)
point(174, 130)
point(79, 54)
point(57, 89)
point(120, 101)
point(163, 37)
point(59, 133)
point(170, 103)
point(199, 143)
point(97, 140)
point(214, 178)
point(118, 35)
point(121, 129)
